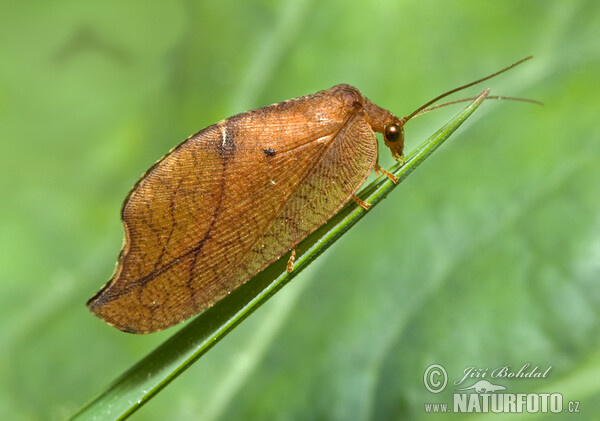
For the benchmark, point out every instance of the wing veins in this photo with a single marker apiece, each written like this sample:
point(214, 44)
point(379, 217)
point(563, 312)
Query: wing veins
point(306, 175)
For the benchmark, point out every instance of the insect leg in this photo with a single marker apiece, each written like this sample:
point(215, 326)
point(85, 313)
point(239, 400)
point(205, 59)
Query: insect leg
point(290, 264)
point(386, 173)
point(361, 203)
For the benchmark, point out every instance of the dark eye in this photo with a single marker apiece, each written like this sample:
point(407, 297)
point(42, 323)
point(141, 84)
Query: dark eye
point(392, 132)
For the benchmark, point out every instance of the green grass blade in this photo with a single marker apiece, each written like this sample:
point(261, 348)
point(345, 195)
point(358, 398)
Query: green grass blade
point(146, 378)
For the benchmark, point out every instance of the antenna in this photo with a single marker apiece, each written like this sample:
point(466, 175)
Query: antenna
point(422, 109)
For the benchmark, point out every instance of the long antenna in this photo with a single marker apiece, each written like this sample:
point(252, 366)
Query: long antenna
point(456, 101)
point(403, 120)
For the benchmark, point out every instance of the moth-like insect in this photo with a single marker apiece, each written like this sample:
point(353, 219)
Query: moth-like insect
point(238, 195)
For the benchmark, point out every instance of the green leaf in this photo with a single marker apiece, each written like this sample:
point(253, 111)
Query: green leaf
point(144, 380)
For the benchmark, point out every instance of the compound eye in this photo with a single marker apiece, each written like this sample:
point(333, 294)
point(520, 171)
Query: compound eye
point(392, 132)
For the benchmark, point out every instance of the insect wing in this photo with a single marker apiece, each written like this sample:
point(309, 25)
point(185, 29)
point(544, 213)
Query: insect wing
point(227, 202)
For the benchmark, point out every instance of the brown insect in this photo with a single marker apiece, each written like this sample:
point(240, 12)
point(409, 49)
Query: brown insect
point(238, 195)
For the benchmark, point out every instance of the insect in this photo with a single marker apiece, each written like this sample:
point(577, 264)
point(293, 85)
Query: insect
point(238, 195)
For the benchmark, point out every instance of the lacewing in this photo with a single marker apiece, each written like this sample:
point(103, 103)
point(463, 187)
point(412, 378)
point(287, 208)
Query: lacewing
point(238, 195)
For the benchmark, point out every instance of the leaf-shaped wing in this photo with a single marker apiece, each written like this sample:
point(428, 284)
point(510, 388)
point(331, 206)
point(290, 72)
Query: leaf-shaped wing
point(228, 201)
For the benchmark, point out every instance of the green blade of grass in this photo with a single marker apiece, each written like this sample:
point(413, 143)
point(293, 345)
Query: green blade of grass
point(151, 374)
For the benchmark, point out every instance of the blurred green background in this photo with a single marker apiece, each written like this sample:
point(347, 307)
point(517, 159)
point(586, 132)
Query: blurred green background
point(489, 255)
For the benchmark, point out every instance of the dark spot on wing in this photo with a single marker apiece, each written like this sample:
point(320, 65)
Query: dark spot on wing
point(269, 151)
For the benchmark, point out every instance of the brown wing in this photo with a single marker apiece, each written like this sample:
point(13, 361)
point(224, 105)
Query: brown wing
point(228, 201)
point(342, 168)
